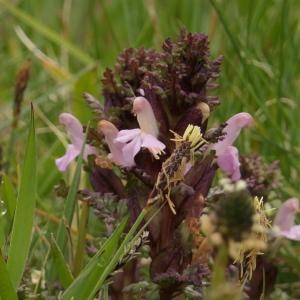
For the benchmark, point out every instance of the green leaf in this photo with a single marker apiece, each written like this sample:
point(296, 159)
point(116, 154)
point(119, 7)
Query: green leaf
point(79, 256)
point(7, 291)
point(24, 214)
point(3, 225)
point(8, 195)
point(62, 268)
point(104, 294)
point(87, 280)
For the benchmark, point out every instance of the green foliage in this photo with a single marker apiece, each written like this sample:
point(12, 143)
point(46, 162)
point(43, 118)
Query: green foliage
point(8, 196)
point(24, 214)
point(7, 290)
point(63, 270)
point(46, 31)
point(86, 284)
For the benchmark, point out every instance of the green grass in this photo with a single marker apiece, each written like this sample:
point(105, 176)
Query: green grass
point(260, 42)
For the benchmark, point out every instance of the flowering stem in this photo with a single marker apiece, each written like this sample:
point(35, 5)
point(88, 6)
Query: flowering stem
point(218, 276)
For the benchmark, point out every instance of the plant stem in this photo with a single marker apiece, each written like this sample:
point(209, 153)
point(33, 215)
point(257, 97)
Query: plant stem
point(81, 240)
point(218, 275)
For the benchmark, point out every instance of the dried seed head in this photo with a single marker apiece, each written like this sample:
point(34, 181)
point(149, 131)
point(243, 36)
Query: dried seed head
point(233, 212)
point(255, 243)
point(241, 222)
point(20, 87)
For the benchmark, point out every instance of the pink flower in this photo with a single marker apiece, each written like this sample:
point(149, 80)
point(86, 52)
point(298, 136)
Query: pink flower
point(145, 136)
point(75, 132)
point(110, 132)
point(229, 162)
point(228, 155)
point(285, 220)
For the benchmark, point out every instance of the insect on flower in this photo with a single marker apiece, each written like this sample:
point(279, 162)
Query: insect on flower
point(173, 169)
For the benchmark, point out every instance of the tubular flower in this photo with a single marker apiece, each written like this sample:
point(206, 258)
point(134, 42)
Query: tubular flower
point(110, 132)
point(228, 155)
point(285, 220)
point(75, 132)
point(145, 136)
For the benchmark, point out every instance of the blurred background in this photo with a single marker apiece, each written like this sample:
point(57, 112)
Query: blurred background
point(71, 42)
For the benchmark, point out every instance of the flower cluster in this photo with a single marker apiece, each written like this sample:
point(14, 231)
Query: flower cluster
point(156, 147)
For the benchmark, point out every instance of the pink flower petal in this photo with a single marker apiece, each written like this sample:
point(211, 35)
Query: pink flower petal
point(145, 116)
point(88, 150)
point(131, 149)
point(116, 153)
point(75, 132)
point(232, 130)
point(74, 129)
point(127, 135)
point(285, 217)
point(63, 162)
point(188, 166)
point(152, 144)
point(228, 161)
point(111, 132)
point(292, 234)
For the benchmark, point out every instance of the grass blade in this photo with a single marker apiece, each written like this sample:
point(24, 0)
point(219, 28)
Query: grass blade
point(62, 268)
point(252, 87)
point(81, 240)
point(8, 195)
point(57, 72)
point(24, 214)
point(7, 290)
point(117, 256)
point(88, 278)
point(47, 32)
